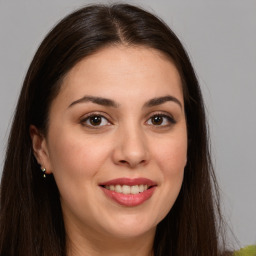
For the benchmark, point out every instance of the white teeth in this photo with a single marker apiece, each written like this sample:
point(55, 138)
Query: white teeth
point(118, 189)
point(125, 189)
point(135, 190)
point(141, 188)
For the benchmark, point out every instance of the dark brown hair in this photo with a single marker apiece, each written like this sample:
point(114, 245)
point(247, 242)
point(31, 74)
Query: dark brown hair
point(31, 222)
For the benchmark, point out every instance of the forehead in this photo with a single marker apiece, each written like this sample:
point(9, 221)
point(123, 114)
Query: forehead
point(116, 71)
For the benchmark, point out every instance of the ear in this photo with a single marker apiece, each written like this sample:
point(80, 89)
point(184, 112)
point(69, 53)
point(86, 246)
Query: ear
point(40, 148)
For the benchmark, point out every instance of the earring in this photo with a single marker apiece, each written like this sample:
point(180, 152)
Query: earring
point(43, 170)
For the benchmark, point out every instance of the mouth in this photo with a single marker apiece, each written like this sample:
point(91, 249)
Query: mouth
point(129, 192)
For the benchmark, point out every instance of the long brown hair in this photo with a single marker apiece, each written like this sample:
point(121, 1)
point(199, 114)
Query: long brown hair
point(31, 222)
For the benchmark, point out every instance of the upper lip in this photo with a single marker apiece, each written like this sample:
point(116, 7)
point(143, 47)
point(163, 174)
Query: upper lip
point(129, 182)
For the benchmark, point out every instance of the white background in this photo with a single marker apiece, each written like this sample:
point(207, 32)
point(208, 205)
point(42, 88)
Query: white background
point(220, 37)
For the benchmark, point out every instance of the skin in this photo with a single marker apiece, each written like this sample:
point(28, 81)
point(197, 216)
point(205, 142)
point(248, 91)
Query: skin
point(126, 143)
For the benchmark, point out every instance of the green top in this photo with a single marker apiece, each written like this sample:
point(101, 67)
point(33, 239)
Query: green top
point(247, 251)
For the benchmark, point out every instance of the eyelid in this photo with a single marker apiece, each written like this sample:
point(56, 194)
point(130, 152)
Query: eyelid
point(163, 114)
point(91, 114)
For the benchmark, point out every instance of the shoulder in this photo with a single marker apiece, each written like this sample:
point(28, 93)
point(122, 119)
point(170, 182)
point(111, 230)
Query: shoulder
point(247, 251)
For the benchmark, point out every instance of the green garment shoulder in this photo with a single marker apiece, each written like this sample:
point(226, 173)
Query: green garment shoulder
point(247, 251)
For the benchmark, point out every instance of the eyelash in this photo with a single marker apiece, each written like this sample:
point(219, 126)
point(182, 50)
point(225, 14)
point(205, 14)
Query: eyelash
point(87, 119)
point(168, 118)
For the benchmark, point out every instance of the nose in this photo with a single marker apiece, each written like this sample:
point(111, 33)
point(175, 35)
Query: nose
point(131, 148)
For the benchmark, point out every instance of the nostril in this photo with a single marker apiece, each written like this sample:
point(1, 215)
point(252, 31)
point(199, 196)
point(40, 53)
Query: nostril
point(131, 163)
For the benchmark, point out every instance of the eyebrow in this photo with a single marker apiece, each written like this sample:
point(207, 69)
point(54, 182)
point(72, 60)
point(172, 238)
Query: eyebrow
point(97, 100)
point(110, 103)
point(160, 100)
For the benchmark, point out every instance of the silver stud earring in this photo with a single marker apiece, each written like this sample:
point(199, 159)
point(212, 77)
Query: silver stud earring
point(43, 170)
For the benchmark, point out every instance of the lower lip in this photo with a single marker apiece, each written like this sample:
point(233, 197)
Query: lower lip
point(130, 199)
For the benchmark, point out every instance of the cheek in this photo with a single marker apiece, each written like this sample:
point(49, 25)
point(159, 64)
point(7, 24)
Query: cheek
point(76, 155)
point(171, 156)
point(171, 159)
point(76, 162)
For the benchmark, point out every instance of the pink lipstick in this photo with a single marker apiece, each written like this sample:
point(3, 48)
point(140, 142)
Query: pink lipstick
point(129, 192)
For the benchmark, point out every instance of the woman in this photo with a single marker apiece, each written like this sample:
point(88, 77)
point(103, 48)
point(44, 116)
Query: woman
point(108, 152)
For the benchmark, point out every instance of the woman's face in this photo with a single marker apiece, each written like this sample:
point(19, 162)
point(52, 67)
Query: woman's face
point(117, 142)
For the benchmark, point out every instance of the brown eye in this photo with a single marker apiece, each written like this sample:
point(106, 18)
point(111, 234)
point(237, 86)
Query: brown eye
point(161, 120)
point(95, 120)
point(157, 120)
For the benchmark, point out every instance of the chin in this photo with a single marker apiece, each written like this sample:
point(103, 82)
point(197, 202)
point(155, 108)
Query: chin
point(131, 227)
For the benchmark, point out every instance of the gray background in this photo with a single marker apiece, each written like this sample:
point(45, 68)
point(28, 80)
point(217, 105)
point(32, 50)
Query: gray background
point(220, 37)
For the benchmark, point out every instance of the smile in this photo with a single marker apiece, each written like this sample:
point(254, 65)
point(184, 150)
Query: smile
point(125, 189)
point(129, 192)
